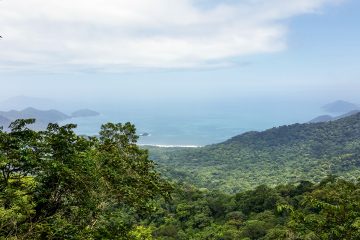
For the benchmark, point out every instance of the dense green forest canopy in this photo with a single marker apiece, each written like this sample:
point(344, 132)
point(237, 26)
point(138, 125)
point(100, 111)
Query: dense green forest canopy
point(55, 184)
point(304, 211)
point(277, 156)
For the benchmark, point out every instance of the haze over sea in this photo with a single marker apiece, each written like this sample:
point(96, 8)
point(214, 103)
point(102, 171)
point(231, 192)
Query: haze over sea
point(196, 124)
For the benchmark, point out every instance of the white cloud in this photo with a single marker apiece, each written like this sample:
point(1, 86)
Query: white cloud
point(114, 35)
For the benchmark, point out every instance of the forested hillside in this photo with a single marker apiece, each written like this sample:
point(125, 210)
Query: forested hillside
point(55, 184)
point(305, 211)
point(277, 156)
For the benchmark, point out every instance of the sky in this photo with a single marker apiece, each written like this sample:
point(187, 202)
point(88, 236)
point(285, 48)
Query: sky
point(189, 51)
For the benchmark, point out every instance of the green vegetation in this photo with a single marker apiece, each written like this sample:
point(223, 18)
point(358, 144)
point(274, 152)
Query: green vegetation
point(57, 185)
point(282, 155)
point(329, 210)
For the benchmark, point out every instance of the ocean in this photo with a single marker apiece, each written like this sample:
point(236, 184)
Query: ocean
point(198, 125)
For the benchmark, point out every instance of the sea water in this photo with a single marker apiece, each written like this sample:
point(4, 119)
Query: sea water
point(198, 125)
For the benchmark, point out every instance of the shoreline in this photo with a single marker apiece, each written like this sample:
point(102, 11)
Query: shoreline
point(170, 146)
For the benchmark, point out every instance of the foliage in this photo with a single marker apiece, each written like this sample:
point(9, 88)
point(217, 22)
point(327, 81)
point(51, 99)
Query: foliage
point(329, 210)
point(286, 154)
point(55, 184)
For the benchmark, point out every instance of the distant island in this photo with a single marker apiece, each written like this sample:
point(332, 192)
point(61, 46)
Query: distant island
point(345, 109)
point(84, 113)
point(327, 118)
point(340, 106)
point(43, 117)
point(145, 134)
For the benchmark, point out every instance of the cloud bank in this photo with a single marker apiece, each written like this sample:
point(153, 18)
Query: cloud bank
point(117, 35)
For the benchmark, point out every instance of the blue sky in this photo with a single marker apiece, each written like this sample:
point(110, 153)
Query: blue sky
point(207, 51)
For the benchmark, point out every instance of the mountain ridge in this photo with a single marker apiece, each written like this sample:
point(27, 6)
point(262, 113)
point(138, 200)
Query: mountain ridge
point(327, 118)
point(340, 106)
point(278, 155)
point(43, 117)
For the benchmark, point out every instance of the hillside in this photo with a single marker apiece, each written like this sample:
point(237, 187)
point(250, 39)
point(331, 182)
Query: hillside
point(279, 155)
point(4, 121)
point(110, 184)
point(40, 115)
point(322, 118)
point(43, 117)
point(327, 118)
point(340, 107)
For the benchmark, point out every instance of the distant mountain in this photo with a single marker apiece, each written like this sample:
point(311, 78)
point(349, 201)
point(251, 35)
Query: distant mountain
point(347, 114)
point(276, 156)
point(327, 118)
point(85, 113)
point(4, 122)
point(340, 107)
point(322, 118)
point(43, 118)
point(40, 115)
point(21, 102)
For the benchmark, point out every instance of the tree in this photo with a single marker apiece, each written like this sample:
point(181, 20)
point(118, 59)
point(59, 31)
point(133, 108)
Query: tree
point(56, 184)
point(331, 211)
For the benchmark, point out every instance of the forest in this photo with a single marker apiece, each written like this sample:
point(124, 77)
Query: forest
point(55, 184)
point(281, 155)
point(327, 210)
